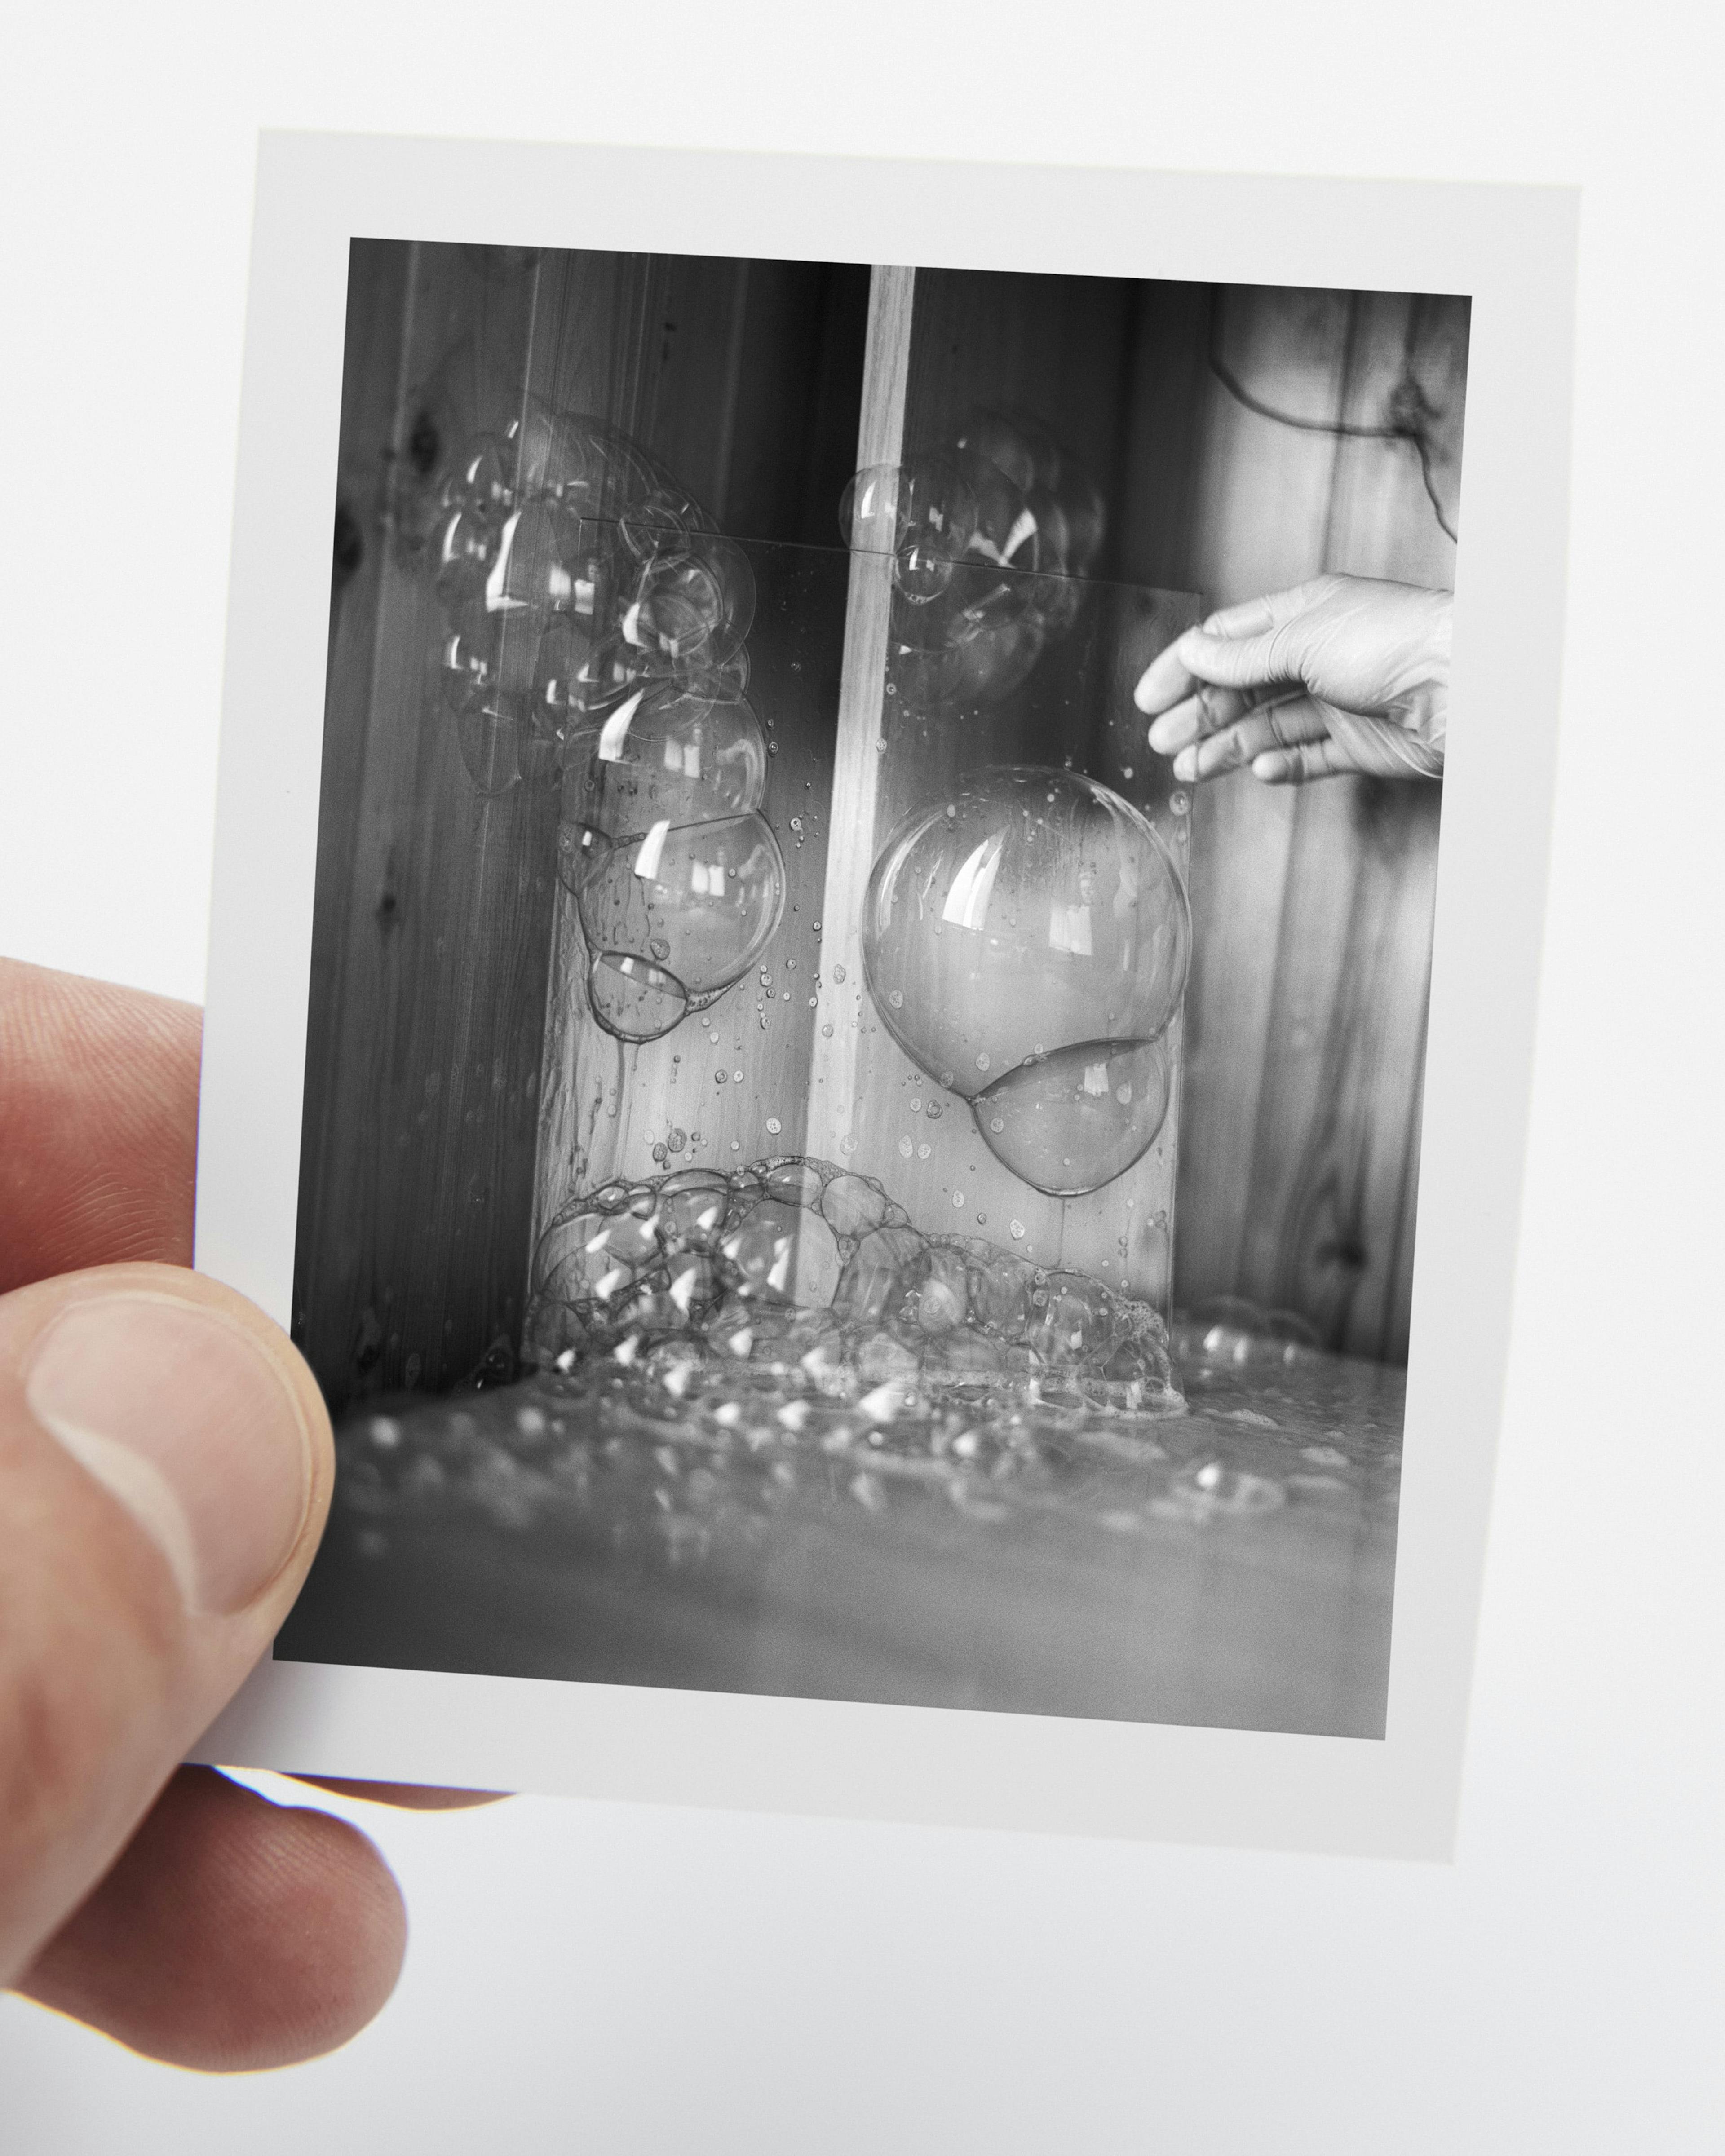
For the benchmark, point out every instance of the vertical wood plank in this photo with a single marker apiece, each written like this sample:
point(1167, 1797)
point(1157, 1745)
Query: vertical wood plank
point(838, 1071)
point(434, 953)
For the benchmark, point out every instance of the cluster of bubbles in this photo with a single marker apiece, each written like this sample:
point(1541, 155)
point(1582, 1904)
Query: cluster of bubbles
point(988, 540)
point(809, 1280)
point(677, 1448)
point(595, 628)
point(1027, 943)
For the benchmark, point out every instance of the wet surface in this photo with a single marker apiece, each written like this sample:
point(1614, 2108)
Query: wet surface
point(788, 1522)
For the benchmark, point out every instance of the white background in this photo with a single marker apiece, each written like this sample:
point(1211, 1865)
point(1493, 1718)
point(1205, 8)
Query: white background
point(620, 1979)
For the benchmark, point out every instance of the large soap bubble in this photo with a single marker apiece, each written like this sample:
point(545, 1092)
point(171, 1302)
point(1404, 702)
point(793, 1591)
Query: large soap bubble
point(703, 901)
point(1027, 943)
point(690, 750)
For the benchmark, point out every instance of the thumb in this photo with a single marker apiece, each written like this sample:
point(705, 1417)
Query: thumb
point(165, 1472)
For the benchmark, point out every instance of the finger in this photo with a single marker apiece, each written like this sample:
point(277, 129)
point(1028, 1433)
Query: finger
point(1267, 727)
point(233, 1933)
point(98, 1124)
point(1293, 766)
point(1228, 647)
point(1201, 714)
point(165, 1471)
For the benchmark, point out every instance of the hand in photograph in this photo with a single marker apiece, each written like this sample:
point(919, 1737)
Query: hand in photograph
point(1344, 674)
point(165, 1470)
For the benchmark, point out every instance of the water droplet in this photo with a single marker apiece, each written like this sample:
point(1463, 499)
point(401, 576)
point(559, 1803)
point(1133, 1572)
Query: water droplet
point(660, 948)
point(773, 1126)
point(995, 1123)
point(737, 1076)
point(957, 1198)
point(659, 1154)
point(905, 1148)
point(982, 1061)
point(1018, 1230)
point(982, 1219)
point(677, 1140)
point(826, 1032)
point(923, 1152)
point(722, 1077)
point(1127, 771)
point(897, 998)
point(916, 1106)
point(838, 972)
point(934, 1111)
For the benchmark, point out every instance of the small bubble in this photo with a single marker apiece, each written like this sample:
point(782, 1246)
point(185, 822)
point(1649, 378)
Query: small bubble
point(982, 1219)
point(916, 1105)
point(1127, 771)
point(773, 749)
point(1177, 802)
point(790, 965)
point(773, 1126)
point(736, 1145)
point(996, 1123)
point(722, 1077)
point(1018, 1230)
point(796, 823)
point(812, 1000)
point(826, 1032)
point(880, 746)
point(934, 1111)
point(817, 928)
point(737, 1076)
point(766, 978)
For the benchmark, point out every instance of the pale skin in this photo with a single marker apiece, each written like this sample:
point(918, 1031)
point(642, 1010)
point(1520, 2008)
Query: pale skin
point(1344, 673)
point(165, 1905)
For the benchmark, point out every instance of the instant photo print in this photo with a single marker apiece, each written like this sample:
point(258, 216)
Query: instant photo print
point(873, 1242)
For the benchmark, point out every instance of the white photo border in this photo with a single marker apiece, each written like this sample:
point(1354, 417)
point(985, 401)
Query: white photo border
point(1513, 251)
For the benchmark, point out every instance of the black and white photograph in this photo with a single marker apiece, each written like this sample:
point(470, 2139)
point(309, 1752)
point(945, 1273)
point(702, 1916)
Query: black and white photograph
point(875, 866)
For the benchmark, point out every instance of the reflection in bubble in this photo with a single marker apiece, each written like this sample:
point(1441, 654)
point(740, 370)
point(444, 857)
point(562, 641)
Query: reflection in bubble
point(711, 894)
point(632, 998)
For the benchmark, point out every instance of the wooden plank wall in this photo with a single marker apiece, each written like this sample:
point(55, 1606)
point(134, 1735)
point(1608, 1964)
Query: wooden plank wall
point(437, 915)
point(437, 925)
point(433, 915)
point(745, 378)
point(1305, 1018)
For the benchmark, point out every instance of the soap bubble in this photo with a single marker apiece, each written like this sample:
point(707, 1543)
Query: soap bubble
point(1035, 912)
point(989, 541)
point(921, 512)
point(710, 895)
point(632, 998)
point(1069, 1122)
point(690, 603)
point(690, 750)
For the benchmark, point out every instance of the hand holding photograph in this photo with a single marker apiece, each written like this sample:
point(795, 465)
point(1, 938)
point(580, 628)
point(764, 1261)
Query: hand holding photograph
point(865, 997)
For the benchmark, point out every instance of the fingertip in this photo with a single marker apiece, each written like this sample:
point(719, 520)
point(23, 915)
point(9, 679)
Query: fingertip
point(233, 1935)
